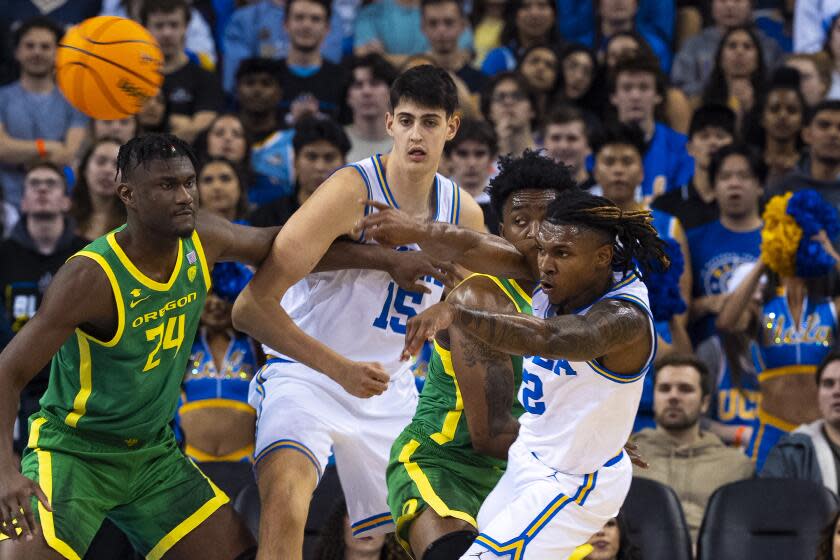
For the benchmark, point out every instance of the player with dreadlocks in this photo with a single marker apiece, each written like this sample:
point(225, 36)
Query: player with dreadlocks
point(118, 321)
point(588, 345)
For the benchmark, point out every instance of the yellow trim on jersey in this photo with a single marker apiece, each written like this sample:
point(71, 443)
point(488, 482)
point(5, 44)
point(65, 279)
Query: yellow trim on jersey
point(383, 185)
point(246, 452)
point(520, 291)
point(450, 423)
point(501, 286)
point(139, 276)
point(775, 421)
point(216, 403)
point(118, 299)
point(199, 249)
point(621, 283)
point(409, 512)
point(772, 373)
point(191, 522)
point(46, 517)
point(35, 431)
point(85, 383)
point(425, 487)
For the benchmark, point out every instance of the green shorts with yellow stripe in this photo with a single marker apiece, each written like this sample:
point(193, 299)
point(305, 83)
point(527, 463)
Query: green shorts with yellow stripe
point(421, 474)
point(150, 490)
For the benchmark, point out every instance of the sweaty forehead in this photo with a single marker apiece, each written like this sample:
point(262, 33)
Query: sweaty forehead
point(532, 197)
point(179, 166)
point(568, 234)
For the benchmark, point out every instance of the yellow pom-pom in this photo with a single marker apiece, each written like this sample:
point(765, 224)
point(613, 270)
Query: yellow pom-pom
point(780, 237)
point(582, 552)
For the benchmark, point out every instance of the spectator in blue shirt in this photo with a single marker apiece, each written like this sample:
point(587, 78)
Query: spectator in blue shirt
point(575, 20)
point(637, 88)
point(527, 23)
point(616, 16)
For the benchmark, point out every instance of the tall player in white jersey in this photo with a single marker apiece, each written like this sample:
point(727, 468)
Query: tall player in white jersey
point(334, 377)
point(590, 343)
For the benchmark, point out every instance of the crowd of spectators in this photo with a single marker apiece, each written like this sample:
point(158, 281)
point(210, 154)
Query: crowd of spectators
point(700, 111)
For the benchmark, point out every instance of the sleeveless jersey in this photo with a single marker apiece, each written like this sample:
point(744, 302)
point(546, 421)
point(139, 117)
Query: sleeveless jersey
point(786, 348)
point(362, 314)
point(204, 381)
point(736, 404)
point(440, 411)
point(578, 415)
point(127, 388)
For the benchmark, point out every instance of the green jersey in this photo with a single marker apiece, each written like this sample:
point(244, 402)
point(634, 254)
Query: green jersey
point(127, 388)
point(440, 411)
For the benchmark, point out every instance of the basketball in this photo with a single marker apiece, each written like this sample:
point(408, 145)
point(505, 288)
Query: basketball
point(108, 66)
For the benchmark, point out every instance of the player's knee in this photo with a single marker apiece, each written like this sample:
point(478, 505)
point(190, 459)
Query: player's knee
point(450, 546)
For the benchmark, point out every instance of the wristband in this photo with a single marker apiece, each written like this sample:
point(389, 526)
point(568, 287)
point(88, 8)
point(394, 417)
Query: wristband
point(41, 147)
point(739, 434)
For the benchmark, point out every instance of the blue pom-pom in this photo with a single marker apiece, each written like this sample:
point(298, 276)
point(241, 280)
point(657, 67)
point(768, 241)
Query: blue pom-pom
point(813, 214)
point(230, 278)
point(664, 285)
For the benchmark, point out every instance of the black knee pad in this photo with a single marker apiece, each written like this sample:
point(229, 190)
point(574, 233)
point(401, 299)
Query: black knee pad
point(249, 554)
point(450, 546)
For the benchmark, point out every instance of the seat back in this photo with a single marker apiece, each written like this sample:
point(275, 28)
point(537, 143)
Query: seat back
point(655, 520)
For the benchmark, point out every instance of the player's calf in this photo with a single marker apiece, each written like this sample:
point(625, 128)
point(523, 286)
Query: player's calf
point(449, 547)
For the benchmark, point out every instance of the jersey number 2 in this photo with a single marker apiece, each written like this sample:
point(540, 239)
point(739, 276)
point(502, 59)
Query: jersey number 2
point(532, 392)
point(402, 309)
point(167, 338)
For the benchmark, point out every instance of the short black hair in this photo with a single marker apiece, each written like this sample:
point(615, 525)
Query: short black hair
point(45, 164)
point(565, 113)
point(616, 132)
point(314, 129)
point(832, 356)
point(824, 105)
point(425, 3)
point(326, 4)
point(149, 7)
point(712, 115)
point(754, 160)
point(259, 65)
point(493, 83)
point(476, 130)
point(531, 170)
point(38, 22)
point(638, 64)
point(429, 86)
point(141, 150)
point(687, 360)
point(380, 69)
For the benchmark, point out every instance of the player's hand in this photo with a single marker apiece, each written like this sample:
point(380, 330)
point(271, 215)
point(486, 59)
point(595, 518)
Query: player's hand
point(408, 268)
point(362, 379)
point(635, 457)
point(423, 327)
point(390, 226)
point(16, 512)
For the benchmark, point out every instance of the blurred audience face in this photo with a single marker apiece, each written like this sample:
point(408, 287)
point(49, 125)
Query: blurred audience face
point(620, 47)
point(828, 396)
point(152, 114)
point(219, 189)
point(618, 169)
point(509, 103)
point(36, 53)
point(44, 194)
point(823, 135)
point(729, 13)
point(704, 143)
point(539, 68)
point(618, 10)
point(635, 97)
point(566, 143)
point(737, 189)
point(813, 88)
point(307, 25)
point(577, 75)
point(782, 116)
point(216, 314)
point(121, 129)
point(315, 162)
point(534, 18)
point(101, 170)
point(605, 542)
point(471, 165)
point(170, 31)
point(226, 138)
point(258, 92)
point(739, 57)
point(678, 399)
point(362, 547)
point(367, 96)
point(442, 24)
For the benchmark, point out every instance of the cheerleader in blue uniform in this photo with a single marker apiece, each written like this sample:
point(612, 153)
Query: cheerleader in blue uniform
point(796, 323)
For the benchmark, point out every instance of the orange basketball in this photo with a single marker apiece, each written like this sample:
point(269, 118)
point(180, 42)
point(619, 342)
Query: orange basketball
point(108, 66)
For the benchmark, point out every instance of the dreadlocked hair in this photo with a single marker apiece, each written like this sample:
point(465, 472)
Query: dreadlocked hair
point(141, 150)
point(635, 240)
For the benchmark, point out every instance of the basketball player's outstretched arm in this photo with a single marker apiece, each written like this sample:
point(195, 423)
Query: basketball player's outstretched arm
point(608, 326)
point(60, 313)
point(484, 374)
point(476, 250)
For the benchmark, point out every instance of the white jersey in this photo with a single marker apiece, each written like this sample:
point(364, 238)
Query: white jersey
point(580, 414)
point(362, 314)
